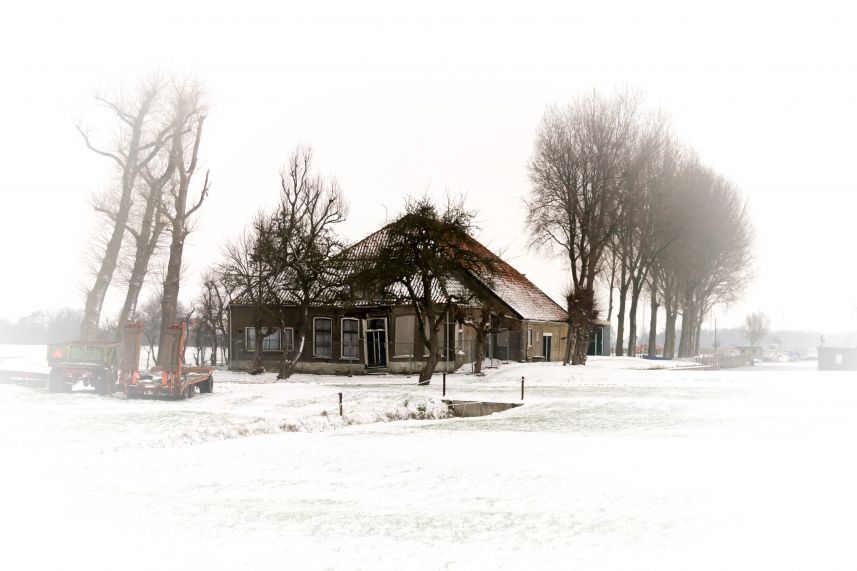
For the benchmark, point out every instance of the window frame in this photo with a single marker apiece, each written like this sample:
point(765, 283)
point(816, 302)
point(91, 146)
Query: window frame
point(315, 337)
point(342, 339)
point(529, 337)
point(413, 336)
point(252, 349)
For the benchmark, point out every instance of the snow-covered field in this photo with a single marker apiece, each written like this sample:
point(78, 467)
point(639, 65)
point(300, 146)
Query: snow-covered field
point(615, 465)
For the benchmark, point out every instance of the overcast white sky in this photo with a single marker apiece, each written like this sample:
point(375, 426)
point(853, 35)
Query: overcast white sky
point(398, 99)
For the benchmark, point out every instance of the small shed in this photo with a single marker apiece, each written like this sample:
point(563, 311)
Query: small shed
point(599, 342)
point(837, 358)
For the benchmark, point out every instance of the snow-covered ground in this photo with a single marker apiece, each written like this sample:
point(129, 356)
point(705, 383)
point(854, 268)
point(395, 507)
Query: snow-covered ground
point(622, 464)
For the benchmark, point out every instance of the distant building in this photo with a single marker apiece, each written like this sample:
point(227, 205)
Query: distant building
point(837, 358)
point(754, 352)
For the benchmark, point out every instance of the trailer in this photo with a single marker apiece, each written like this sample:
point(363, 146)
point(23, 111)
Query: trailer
point(171, 379)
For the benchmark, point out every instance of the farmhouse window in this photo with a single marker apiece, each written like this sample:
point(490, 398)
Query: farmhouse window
point(323, 346)
point(271, 339)
point(350, 338)
point(404, 336)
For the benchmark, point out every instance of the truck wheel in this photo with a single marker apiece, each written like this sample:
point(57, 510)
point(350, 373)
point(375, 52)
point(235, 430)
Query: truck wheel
point(191, 390)
point(207, 386)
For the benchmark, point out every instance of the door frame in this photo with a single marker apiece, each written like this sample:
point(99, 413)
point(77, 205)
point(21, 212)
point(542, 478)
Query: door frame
point(366, 331)
point(547, 337)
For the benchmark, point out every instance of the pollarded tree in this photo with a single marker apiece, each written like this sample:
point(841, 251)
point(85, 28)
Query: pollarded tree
point(576, 174)
point(756, 327)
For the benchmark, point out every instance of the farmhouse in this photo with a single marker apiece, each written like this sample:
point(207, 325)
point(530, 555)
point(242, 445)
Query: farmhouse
point(381, 335)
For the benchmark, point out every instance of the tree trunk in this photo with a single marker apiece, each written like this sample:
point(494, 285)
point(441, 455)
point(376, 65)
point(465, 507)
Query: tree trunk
point(135, 285)
point(480, 352)
point(620, 317)
point(669, 332)
point(697, 334)
point(632, 320)
point(637, 283)
point(612, 283)
point(580, 344)
point(428, 370)
point(290, 358)
point(653, 322)
point(257, 349)
point(95, 296)
point(688, 328)
point(145, 240)
point(581, 312)
point(569, 345)
point(170, 299)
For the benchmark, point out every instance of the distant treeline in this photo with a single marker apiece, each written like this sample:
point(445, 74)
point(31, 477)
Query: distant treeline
point(789, 340)
point(42, 327)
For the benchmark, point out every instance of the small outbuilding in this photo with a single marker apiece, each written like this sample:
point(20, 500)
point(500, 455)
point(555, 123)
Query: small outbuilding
point(837, 358)
point(600, 342)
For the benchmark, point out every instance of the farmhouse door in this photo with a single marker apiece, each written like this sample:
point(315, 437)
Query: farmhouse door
point(376, 343)
point(546, 347)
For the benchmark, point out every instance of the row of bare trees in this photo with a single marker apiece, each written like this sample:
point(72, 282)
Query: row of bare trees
point(630, 207)
point(154, 148)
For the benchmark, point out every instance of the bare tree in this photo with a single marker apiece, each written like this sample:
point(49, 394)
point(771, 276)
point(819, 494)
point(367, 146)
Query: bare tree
point(576, 175)
point(300, 247)
point(247, 279)
point(714, 255)
point(654, 305)
point(648, 230)
point(756, 327)
point(212, 304)
point(139, 138)
point(290, 258)
point(185, 136)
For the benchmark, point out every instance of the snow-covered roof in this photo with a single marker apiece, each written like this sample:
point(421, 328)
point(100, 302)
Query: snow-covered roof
point(508, 284)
